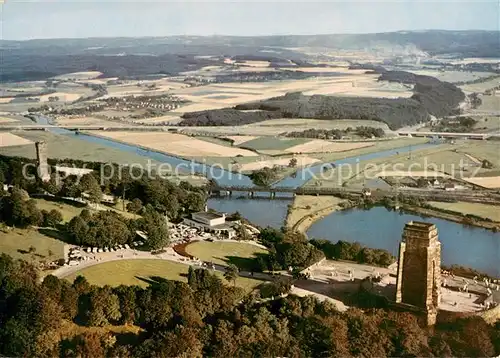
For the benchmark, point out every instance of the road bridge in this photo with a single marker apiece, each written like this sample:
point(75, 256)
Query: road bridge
point(484, 196)
point(480, 136)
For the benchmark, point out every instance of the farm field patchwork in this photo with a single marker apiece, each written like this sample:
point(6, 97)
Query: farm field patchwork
point(177, 144)
point(352, 83)
point(274, 127)
point(453, 76)
point(88, 121)
point(323, 146)
point(482, 86)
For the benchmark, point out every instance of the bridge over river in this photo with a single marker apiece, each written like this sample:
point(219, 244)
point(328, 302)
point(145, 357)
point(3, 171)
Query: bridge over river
point(484, 196)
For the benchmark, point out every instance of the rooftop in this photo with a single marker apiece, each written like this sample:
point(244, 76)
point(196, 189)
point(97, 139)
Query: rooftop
point(207, 215)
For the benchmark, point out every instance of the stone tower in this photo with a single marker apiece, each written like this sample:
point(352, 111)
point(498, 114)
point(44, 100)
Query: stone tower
point(419, 269)
point(41, 157)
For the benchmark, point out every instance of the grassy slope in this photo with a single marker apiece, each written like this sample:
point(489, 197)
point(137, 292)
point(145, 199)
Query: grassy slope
point(272, 143)
point(16, 242)
point(223, 253)
point(139, 272)
point(483, 210)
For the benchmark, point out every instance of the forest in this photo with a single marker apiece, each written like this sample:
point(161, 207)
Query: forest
point(224, 117)
point(430, 97)
point(207, 317)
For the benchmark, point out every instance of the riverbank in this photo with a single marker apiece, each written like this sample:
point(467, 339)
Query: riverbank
point(455, 217)
point(307, 209)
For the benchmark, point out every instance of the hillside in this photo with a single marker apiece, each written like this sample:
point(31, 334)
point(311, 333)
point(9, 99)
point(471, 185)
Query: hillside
point(431, 97)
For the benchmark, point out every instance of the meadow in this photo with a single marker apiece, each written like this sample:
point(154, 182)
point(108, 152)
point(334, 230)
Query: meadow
point(224, 253)
point(141, 271)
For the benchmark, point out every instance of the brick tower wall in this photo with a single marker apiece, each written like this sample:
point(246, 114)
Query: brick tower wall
point(419, 268)
point(41, 157)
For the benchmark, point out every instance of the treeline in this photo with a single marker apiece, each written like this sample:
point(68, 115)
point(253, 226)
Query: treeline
point(265, 176)
point(436, 97)
point(17, 209)
point(268, 76)
point(205, 318)
point(286, 249)
point(396, 113)
point(455, 125)
point(292, 249)
point(109, 229)
point(225, 117)
point(19, 66)
point(342, 250)
point(163, 195)
point(362, 131)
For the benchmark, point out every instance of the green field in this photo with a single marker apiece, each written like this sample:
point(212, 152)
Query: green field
point(490, 103)
point(223, 253)
point(491, 212)
point(141, 271)
point(272, 143)
point(377, 147)
point(17, 242)
point(68, 211)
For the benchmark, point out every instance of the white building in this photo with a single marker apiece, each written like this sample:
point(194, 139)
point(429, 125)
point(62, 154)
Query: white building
point(211, 222)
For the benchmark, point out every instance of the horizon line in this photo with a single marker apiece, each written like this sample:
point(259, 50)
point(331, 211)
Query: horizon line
point(244, 36)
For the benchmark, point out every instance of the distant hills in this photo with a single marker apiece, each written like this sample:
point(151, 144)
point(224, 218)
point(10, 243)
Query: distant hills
point(129, 57)
point(434, 42)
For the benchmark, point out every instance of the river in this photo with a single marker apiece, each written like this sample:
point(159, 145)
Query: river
point(381, 228)
point(467, 246)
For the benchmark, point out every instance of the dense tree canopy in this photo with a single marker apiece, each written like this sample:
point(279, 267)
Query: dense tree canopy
point(206, 317)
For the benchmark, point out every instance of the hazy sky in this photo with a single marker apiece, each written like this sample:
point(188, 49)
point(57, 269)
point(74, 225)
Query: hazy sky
point(69, 18)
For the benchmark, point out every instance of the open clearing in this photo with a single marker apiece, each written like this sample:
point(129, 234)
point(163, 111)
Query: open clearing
point(224, 253)
point(323, 146)
point(68, 211)
point(177, 144)
point(301, 162)
point(489, 104)
point(453, 76)
point(11, 140)
point(140, 271)
point(17, 242)
point(79, 76)
point(7, 120)
point(481, 87)
point(486, 211)
point(64, 97)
